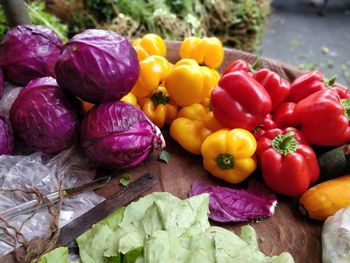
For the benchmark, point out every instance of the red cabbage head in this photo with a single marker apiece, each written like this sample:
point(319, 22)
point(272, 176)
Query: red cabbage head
point(28, 52)
point(45, 117)
point(97, 66)
point(118, 135)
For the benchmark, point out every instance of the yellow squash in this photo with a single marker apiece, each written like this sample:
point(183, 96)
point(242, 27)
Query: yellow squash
point(229, 154)
point(325, 199)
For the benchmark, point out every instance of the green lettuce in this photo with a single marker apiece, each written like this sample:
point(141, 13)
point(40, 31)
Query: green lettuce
point(163, 228)
point(57, 255)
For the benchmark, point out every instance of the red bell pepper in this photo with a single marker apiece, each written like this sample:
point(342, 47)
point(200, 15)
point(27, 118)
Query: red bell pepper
point(342, 92)
point(267, 124)
point(277, 87)
point(311, 82)
point(306, 85)
point(288, 164)
point(237, 65)
point(284, 115)
point(239, 101)
point(241, 64)
point(324, 118)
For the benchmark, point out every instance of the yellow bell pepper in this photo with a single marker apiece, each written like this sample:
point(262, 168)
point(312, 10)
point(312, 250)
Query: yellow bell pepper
point(216, 78)
point(131, 99)
point(153, 71)
point(149, 45)
point(189, 83)
point(193, 124)
point(229, 154)
point(160, 108)
point(206, 102)
point(206, 51)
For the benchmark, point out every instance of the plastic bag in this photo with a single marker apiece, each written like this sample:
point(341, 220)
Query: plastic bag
point(10, 94)
point(37, 170)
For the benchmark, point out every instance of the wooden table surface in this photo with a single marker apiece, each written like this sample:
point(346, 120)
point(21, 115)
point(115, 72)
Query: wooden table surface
point(286, 230)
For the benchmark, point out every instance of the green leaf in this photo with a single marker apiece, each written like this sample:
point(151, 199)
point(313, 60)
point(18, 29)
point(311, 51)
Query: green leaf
point(164, 156)
point(133, 255)
point(93, 243)
point(125, 179)
point(59, 254)
point(39, 16)
point(346, 105)
point(163, 228)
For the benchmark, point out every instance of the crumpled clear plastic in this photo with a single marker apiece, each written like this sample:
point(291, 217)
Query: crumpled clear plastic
point(10, 94)
point(37, 170)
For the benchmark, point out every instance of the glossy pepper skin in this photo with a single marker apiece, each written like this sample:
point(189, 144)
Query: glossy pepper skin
point(206, 51)
point(240, 101)
point(277, 87)
point(160, 108)
point(324, 118)
point(215, 75)
point(267, 124)
point(149, 45)
point(131, 99)
point(307, 84)
point(153, 71)
point(342, 92)
point(189, 83)
point(193, 124)
point(284, 115)
point(237, 65)
point(288, 164)
point(229, 154)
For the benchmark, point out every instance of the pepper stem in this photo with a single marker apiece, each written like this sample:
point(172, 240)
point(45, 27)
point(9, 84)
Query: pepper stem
point(225, 161)
point(285, 143)
point(330, 82)
point(256, 64)
point(159, 98)
point(258, 128)
point(346, 105)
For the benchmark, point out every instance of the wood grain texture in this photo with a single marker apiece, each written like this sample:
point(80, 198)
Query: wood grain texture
point(286, 230)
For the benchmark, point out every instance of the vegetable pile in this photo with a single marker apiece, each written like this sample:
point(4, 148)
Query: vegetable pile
point(94, 66)
point(113, 97)
point(247, 118)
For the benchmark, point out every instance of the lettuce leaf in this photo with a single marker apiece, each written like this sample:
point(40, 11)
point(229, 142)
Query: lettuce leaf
point(163, 228)
point(93, 243)
point(59, 254)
